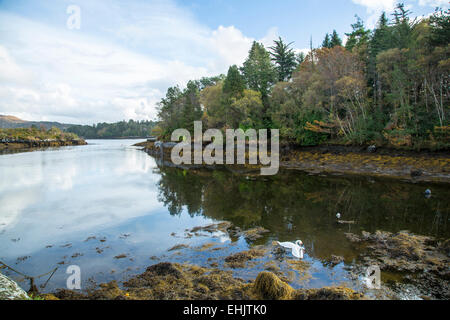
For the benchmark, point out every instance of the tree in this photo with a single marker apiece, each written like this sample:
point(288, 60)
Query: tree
point(402, 27)
point(440, 26)
point(300, 57)
point(359, 37)
point(335, 40)
point(326, 42)
point(258, 70)
point(234, 83)
point(284, 58)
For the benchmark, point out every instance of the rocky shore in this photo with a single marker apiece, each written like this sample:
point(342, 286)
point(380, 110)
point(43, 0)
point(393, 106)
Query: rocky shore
point(171, 281)
point(370, 161)
point(22, 144)
point(416, 260)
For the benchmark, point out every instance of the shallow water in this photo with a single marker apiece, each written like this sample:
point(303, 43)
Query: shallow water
point(86, 205)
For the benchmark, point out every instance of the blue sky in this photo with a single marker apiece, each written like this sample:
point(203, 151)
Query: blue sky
point(126, 54)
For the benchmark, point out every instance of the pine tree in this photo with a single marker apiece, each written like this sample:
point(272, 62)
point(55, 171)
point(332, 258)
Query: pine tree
point(300, 57)
point(326, 42)
point(440, 27)
point(359, 36)
point(258, 70)
point(234, 83)
point(335, 40)
point(402, 27)
point(284, 58)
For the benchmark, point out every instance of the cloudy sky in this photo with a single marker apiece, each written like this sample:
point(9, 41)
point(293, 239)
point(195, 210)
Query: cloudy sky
point(126, 54)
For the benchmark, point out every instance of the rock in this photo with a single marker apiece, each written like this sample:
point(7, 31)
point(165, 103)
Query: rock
point(239, 259)
point(10, 290)
point(269, 286)
point(165, 268)
point(352, 237)
point(335, 260)
point(416, 173)
point(178, 247)
point(345, 222)
point(329, 293)
point(372, 149)
point(255, 233)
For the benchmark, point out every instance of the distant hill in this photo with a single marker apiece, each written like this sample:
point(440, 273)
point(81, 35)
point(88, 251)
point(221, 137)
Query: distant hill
point(11, 122)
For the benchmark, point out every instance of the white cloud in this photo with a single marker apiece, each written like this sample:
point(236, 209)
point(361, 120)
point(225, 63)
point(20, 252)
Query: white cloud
point(374, 9)
point(117, 70)
point(433, 3)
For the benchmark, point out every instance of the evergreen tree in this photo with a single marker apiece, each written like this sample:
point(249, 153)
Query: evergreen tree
point(440, 24)
point(326, 42)
point(258, 70)
point(402, 27)
point(335, 40)
point(300, 57)
point(284, 58)
point(234, 83)
point(359, 37)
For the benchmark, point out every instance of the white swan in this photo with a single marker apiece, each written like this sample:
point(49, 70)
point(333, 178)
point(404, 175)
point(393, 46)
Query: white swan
point(297, 248)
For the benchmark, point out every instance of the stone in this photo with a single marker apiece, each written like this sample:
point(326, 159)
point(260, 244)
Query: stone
point(10, 290)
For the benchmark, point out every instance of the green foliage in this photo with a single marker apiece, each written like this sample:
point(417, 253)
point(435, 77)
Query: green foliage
point(326, 42)
point(335, 40)
point(258, 70)
point(359, 37)
point(234, 84)
point(35, 134)
point(114, 130)
point(284, 58)
point(387, 86)
point(440, 22)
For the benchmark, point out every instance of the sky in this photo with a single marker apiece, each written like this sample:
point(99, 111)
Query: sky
point(125, 54)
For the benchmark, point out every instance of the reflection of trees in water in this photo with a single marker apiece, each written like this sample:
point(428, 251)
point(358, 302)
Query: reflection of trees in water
point(297, 205)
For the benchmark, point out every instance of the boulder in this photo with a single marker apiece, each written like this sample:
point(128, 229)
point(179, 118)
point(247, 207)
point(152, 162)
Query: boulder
point(9, 290)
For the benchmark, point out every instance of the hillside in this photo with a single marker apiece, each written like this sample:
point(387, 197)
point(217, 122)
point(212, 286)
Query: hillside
point(11, 122)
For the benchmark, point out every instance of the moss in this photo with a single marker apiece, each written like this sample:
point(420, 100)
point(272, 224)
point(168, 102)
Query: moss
point(178, 247)
point(328, 293)
point(168, 281)
point(238, 260)
point(269, 286)
point(207, 246)
point(49, 296)
point(422, 258)
point(255, 233)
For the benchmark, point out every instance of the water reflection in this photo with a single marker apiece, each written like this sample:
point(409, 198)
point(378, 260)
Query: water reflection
point(53, 201)
point(293, 205)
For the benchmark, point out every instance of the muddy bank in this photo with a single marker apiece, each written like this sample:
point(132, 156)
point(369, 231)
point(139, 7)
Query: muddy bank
point(413, 166)
point(36, 144)
point(169, 281)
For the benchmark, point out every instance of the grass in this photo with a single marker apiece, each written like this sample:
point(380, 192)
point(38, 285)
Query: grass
point(35, 134)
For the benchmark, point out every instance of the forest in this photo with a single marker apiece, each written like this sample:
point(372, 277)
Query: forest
point(122, 129)
point(388, 86)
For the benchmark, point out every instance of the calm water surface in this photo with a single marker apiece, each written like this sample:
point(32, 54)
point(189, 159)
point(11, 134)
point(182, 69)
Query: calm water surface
point(86, 205)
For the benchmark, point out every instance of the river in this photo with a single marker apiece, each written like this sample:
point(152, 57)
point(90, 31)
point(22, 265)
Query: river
point(108, 208)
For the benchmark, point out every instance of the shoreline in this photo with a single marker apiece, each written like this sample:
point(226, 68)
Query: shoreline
point(412, 166)
point(36, 144)
point(423, 258)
